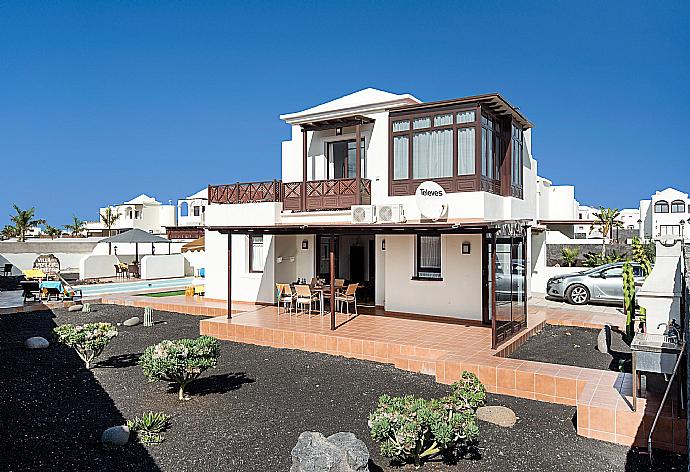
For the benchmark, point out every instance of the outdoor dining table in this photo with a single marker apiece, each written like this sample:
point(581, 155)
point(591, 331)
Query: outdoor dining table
point(52, 284)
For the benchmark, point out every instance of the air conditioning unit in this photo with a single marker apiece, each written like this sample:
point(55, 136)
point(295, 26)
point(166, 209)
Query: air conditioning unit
point(363, 214)
point(390, 214)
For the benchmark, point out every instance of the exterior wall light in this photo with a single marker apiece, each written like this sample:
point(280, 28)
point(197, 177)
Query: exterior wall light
point(383, 244)
point(466, 247)
point(305, 244)
point(338, 131)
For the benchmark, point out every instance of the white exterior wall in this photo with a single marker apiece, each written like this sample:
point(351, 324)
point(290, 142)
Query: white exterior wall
point(653, 221)
point(459, 295)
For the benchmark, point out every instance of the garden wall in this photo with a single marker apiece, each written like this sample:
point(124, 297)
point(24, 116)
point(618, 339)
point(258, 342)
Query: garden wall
point(163, 267)
point(94, 267)
point(554, 254)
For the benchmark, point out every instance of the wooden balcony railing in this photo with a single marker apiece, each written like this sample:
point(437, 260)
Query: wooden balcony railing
point(334, 194)
point(184, 232)
point(245, 192)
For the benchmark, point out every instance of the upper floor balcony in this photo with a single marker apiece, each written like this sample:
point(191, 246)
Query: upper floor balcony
point(312, 195)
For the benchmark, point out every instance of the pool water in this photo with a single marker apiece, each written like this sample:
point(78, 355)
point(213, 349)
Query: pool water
point(138, 286)
point(171, 293)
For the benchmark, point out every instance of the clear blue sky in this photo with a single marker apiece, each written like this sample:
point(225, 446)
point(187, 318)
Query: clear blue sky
point(102, 101)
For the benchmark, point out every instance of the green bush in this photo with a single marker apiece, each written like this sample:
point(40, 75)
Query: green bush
point(595, 259)
point(180, 361)
point(150, 426)
point(570, 255)
point(414, 429)
point(88, 339)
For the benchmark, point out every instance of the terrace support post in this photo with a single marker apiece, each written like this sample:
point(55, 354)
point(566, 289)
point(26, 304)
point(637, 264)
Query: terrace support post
point(110, 248)
point(304, 169)
point(229, 276)
point(492, 292)
point(358, 165)
point(331, 251)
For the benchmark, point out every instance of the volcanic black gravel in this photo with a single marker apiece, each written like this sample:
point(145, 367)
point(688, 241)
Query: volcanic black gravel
point(246, 414)
point(568, 345)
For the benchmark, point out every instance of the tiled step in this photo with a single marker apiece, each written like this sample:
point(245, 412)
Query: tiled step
point(422, 365)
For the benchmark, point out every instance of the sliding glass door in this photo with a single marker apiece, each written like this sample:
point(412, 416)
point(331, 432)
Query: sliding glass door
point(342, 159)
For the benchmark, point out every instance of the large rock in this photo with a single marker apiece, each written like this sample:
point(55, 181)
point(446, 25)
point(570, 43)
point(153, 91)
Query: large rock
point(341, 452)
point(604, 339)
point(132, 321)
point(77, 307)
point(498, 415)
point(115, 436)
point(36, 342)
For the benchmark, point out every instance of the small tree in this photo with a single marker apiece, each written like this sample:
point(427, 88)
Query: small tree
point(606, 220)
point(88, 340)
point(570, 255)
point(180, 361)
point(640, 255)
point(76, 227)
point(8, 232)
point(23, 222)
point(109, 218)
point(413, 429)
point(52, 231)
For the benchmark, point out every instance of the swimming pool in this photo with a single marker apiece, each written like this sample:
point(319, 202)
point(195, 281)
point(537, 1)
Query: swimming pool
point(125, 287)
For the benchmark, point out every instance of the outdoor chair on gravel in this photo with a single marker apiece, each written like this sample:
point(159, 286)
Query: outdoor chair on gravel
point(7, 270)
point(350, 296)
point(286, 297)
point(30, 290)
point(305, 297)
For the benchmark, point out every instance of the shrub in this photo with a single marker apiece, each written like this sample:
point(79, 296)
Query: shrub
point(149, 427)
point(569, 255)
point(594, 259)
point(88, 339)
point(413, 429)
point(180, 361)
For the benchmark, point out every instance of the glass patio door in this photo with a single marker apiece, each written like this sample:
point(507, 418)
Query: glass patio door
point(342, 159)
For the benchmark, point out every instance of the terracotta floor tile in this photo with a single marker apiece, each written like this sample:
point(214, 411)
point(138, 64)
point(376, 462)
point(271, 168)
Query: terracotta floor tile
point(602, 419)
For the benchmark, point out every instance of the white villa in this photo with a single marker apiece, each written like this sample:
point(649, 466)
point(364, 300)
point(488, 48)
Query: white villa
point(665, 216)
point(142, 212)
point(192, 209)
point(428, 206)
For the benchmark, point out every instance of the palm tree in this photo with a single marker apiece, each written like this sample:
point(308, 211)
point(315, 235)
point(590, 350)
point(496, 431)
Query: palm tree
point(8, 232)
point(77, 227)
point(606, 220)
point(23, 221)
point(109, 218)
point(52, 231)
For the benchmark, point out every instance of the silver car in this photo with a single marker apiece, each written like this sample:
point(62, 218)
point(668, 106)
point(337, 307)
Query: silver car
point(602, 284)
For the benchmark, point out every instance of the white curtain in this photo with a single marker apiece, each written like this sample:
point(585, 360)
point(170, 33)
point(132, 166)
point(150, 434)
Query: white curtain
point(401, 125)
point(466, 151)
point(256, 246)
point(429, 262)
point(440, 120)
point(466, 116)
point(401, 151)
point(432, 154)
point(419, 123)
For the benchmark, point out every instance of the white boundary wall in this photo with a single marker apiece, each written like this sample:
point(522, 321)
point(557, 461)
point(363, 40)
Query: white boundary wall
point(163, 267)
point(93, 267)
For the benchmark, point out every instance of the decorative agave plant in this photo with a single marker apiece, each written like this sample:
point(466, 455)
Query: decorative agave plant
point(150, 426)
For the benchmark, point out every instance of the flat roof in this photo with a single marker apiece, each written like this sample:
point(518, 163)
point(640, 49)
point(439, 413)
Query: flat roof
point(445, 227)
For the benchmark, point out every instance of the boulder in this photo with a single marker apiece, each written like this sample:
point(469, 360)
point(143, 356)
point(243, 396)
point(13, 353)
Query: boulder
point(604, 339)
point(77, 307)
point(115, 436)
point(341, 452)
point(133, 321)
point(498, 415)
point(36, 342)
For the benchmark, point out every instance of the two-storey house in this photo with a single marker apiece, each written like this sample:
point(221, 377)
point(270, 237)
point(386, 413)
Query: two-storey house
point(427, 206)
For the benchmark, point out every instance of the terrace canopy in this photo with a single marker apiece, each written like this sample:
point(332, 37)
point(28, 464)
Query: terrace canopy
point(135, 236)
point(493, 232)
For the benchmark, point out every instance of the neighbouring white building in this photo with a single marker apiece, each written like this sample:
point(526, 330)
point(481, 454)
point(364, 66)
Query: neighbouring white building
point(665, 216)
point(142, 212)
point(427, 206)
point(192, 209)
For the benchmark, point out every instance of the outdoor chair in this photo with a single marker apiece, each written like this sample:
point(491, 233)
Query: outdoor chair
point(285, 296)
point(133, 270)
point(52, 292)
point(119, 272)
point(305, 297)
point(7, 270)
point(339, 285)
point(350, 296)
point(30, 289)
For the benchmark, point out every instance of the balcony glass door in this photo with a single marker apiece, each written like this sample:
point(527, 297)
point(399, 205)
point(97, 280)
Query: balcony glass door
point(342, 159)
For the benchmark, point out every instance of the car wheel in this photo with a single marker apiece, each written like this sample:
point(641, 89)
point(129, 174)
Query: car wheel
point(577, 294)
